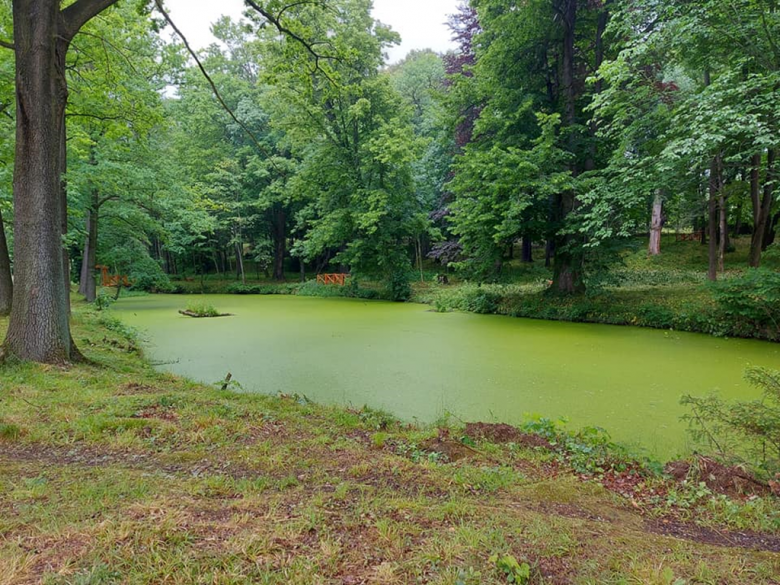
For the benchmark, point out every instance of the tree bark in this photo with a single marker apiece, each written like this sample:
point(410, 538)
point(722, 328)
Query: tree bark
point(280, 241)
point(568, 265)
point(656, 225)
point(761, 211)
point(714, 189)
point(723, 231)
point(6, 282)
point(528, 251)
point(240, 262)
point(88, 286)
point(39, 328)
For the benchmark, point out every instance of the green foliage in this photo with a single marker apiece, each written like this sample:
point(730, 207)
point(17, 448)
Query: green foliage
point(501, 193)
point(103, 301)
point(747, 432)
point(750, 301)
point(515, 571)
point(589, 450)
point(399, 288)
point(239, 288)
point(202, 309)
point(351, 290)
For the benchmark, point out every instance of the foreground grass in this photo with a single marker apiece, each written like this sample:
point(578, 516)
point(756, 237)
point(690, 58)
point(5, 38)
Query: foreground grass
point(113, 473)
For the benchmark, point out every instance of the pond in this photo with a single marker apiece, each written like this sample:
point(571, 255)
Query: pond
point(420, 365)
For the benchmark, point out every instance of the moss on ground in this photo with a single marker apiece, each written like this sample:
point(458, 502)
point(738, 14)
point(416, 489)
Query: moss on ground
point(113, 473)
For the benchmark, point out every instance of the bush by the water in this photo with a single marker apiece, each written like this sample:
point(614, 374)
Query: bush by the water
point(741, 432)
point(750, 301)
point(239, 288)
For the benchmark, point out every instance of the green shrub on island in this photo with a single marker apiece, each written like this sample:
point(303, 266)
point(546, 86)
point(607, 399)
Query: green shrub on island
point(201, 309)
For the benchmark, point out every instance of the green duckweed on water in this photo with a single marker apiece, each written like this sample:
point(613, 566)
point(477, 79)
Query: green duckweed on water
point(421, 365)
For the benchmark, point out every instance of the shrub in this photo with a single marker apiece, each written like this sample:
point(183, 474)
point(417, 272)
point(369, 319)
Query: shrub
point(202, 309)
point(751, 301)
point(262, 289)
point(351, 290)
point(398, 288)
point(745, 432)
point(103, 301)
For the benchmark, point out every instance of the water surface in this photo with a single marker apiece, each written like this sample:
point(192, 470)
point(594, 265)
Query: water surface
point(419, 364)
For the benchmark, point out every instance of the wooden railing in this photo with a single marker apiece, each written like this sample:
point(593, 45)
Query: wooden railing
point(338, 279)
point(694, 237)
point(111, 280)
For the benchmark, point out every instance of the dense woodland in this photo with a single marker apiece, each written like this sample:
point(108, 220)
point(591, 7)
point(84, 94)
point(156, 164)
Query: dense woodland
point(559, 130)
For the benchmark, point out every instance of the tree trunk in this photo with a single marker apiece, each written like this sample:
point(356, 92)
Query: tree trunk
point(568, 266)
point(771, 230)
point(39, 328)
point(723, 221)
point(528, 250)
point(240, 262)
point(280, 241)
point(714, 189)
point(6, 282)
point(761, 211)
point(656, 225)
point(88, 286)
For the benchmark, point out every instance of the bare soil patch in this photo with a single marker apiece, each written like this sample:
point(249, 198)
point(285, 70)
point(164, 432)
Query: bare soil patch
point(733, 481)
point(695, 533)
point(504, 433)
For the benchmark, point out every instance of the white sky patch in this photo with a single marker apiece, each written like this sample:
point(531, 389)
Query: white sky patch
point(421, 23)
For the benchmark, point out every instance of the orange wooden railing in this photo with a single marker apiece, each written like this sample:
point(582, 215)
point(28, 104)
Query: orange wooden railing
point(338, 279)
point(111, 280)
point(694, 237)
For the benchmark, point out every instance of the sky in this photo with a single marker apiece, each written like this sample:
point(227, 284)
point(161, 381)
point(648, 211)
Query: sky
point(420, 22)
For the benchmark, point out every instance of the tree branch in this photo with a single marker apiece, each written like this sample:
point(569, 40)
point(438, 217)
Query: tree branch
point(7, 45)
point(79, 13)
point(214, 89)
point(307, 45)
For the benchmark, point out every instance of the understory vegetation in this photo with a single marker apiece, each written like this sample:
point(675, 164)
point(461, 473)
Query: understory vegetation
point(663, 292)
point(111, 472)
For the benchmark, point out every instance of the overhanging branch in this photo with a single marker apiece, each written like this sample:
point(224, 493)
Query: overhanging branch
point(215, 90)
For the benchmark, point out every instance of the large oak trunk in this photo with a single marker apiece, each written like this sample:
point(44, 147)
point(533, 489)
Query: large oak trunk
point(39, 328)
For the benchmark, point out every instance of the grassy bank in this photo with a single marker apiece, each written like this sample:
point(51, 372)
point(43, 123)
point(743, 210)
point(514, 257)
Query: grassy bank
point(113, 473)
point(665, 292)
